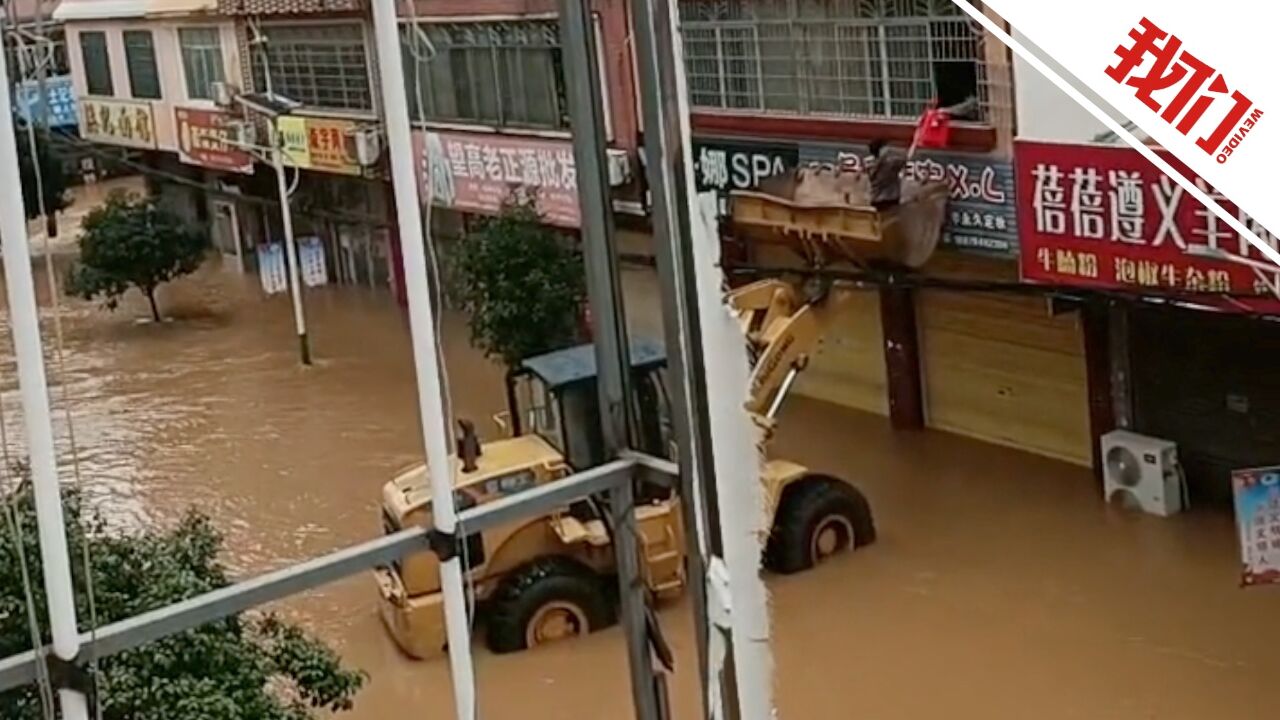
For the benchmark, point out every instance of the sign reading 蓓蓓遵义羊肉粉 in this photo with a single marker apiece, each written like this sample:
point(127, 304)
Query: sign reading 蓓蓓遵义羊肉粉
point(1104, 216)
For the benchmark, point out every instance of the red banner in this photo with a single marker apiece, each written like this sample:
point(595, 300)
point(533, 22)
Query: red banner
point(1102, 216)
point(202, 138)
point(478, 173)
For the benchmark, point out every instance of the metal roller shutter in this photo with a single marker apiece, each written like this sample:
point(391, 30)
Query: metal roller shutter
point(1000, 368)
point(1208, 382)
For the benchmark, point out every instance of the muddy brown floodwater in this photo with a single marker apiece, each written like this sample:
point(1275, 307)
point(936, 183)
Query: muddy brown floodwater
point(1000, 588)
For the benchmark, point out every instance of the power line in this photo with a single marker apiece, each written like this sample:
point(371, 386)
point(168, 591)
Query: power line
point(68, 140)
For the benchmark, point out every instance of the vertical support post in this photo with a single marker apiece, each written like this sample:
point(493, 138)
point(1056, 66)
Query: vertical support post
point(668, 169)
point(902, 357)
point(1097, 360)
point(608, 317)
point(290, 245)
point(394, 254)
point(34, 390)
point(426, 351)
point(1119, 318)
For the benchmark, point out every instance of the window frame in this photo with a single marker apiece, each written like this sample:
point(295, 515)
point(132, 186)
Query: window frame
point(129, 66)
point(220, 65)
point(375, 100)
point(473, 125)
point(863, 41)
point(110, 88)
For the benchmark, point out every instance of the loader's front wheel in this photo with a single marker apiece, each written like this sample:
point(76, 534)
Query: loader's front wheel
point(549, 599)
point(817, 517)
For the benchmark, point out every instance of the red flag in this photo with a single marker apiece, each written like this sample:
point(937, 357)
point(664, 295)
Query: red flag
point(934, 129)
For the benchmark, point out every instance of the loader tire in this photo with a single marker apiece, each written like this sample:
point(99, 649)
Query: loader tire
point(817, 517)
point(548, 599)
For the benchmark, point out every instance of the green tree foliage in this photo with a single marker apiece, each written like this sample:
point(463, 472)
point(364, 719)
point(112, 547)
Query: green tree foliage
point(133, 242)
point(240, 668)
point(53, 179)
point(522, 283)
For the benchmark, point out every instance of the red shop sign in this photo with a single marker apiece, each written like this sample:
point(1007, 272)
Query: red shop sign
point(1102, 216)
point(478, 173)
point(202, 136)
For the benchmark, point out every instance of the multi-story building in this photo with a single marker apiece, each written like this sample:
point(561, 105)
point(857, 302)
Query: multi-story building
point(172, 80)
point(145, 74)
point(317, 55)
point(489, 106)
point(1177, 339)
point(777, 84)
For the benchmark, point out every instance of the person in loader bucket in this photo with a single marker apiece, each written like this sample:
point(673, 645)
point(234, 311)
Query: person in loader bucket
point(884, 170)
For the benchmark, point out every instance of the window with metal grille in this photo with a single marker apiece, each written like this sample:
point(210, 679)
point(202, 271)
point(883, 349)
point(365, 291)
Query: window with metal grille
point(97, 63)
point(857, 58)
point(201, 60)
point(504, 74)
point(319, 65)
point(140, 57)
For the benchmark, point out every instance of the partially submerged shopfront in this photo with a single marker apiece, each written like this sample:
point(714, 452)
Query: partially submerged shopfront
point(1190, 327)
point(994, 365)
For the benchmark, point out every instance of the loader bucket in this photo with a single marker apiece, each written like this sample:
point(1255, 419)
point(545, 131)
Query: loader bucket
point(824, 215)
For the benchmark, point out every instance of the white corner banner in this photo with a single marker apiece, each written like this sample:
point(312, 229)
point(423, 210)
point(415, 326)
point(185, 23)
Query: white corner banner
point(1197, 77)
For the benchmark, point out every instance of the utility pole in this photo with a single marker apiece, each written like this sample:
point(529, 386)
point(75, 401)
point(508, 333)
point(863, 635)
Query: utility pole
point(290, 245)
point(608, 317)
point(426, 350)
point(35, 405)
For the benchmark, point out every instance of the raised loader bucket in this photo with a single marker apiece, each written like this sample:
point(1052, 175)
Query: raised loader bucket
point(824, 215)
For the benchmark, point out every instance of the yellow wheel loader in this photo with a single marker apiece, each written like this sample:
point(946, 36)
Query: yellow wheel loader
point(547, 578)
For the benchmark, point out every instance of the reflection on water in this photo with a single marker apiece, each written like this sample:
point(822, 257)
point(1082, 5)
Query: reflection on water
point(1000, 583)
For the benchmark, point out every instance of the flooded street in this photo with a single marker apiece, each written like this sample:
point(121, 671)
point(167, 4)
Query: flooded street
point(1001, 586)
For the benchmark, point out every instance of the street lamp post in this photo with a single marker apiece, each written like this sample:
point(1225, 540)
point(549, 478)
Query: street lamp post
point(274, 154)
point(290, 246)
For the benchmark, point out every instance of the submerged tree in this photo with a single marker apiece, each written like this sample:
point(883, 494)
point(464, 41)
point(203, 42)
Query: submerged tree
point(522, 283)
point(52, 182)
point(133, 242)
point(239, 668)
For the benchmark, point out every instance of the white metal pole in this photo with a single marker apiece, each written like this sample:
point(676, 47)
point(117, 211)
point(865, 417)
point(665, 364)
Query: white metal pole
point(290, 246)
point(35, 404)
point(426, 357)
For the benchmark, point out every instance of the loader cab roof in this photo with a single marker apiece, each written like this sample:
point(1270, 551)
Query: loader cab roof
point(570, 366)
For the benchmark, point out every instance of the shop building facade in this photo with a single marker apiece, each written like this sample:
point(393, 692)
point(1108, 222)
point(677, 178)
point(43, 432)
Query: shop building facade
point(777, 85)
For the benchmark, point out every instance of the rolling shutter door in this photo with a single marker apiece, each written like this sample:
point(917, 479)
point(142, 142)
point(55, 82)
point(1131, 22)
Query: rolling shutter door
point(849, 368)
point(1208, 382)
point(999, 368)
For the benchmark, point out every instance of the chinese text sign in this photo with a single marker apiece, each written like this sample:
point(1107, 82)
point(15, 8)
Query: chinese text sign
point(320, 144)
point(480, 173)
point(61, 96)
point(202, 140)
point(1103, 216)
point(117, 122)
point(1257, 501)
point(981, 215)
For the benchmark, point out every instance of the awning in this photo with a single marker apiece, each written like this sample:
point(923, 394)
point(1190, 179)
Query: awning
point(77, 10)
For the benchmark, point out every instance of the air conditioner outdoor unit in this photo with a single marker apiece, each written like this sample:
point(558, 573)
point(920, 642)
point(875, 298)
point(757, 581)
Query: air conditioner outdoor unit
point(619, 167)
point(1143, 472)
point(242, 133)
point(224, 94)
point(368, 146)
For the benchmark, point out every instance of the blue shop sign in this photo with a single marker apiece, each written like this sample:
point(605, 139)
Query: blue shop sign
point(62, 101)
point(983, 215)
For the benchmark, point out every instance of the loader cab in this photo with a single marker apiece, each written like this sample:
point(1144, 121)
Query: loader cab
point(554, 395)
